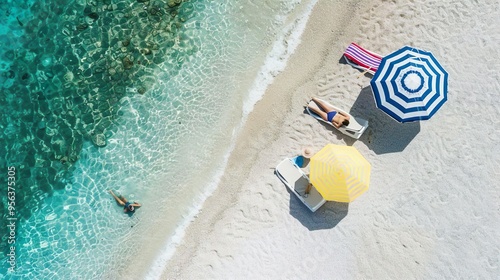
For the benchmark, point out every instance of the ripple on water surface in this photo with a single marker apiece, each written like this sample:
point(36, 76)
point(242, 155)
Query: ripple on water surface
point(136, 96)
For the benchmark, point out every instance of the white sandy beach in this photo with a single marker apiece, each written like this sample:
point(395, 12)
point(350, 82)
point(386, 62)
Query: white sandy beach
point(432, 210)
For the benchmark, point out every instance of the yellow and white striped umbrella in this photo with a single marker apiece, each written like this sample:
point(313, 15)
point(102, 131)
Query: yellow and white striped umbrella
point(340, 173)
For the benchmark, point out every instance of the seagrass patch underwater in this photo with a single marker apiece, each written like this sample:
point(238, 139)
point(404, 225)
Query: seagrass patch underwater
point(64, 67)
point(142, 97)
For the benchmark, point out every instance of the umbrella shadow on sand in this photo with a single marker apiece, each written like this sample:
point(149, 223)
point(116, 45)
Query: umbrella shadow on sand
point(326, 217)
point(384, 134)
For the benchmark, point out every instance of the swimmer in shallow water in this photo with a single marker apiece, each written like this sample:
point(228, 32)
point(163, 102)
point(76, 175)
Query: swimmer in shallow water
point(127, 206)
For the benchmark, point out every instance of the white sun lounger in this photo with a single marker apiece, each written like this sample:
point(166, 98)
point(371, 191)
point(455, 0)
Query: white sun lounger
point(355, 128)
point(296, 180)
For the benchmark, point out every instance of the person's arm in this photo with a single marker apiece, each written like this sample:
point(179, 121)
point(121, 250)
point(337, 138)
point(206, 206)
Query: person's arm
point(336, 123)
point(135, 204)
point(116, 198)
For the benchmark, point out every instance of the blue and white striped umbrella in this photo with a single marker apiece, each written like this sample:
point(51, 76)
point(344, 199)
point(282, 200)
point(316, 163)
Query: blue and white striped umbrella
point(410, 85)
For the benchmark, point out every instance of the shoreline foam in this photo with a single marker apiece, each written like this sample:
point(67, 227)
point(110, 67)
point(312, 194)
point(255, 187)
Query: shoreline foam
point(413, 222)
point(130, 164)
point(274, 64)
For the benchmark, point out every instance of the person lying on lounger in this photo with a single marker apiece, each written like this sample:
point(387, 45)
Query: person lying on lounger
point(329, 114)
point(127, 206)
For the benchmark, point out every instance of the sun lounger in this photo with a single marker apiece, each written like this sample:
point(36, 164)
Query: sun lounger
point(296, 180)
point(363, 59)
point(355, 128)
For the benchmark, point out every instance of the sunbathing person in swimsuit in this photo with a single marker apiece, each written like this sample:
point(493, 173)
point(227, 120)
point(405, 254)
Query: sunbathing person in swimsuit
point(127, 206)
point(329, 114)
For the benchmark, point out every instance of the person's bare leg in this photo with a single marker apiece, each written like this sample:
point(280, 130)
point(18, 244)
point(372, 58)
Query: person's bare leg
point(325, 107)
point(117, 198)
point(319, 112)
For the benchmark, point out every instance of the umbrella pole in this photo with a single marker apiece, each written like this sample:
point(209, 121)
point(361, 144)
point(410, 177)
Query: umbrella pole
point(362, 74)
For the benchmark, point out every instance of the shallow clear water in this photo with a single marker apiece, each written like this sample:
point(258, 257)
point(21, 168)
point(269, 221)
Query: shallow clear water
point(138, 97)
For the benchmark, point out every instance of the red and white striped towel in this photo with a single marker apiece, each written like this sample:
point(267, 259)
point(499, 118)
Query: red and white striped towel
point(363, 57)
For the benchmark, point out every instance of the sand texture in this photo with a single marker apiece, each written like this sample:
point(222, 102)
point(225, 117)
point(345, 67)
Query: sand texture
point(432, 210)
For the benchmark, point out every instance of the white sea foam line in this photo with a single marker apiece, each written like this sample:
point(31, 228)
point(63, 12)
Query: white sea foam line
point(277, 59)
point(274, 64)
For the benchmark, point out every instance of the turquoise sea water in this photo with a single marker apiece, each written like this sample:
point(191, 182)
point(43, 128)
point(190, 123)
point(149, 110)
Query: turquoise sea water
point(142, 97)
